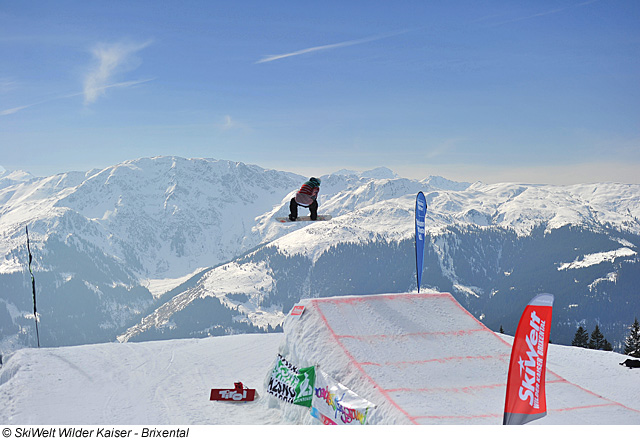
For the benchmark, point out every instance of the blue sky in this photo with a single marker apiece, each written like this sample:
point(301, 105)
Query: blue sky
point(531, 91)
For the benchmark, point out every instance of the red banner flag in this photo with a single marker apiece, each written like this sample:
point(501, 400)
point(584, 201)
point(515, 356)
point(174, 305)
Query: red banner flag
point(526, 400)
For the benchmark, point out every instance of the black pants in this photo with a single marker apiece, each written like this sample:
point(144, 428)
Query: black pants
point(293, 208)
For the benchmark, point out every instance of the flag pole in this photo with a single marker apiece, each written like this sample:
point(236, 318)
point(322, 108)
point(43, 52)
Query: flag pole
point(33, 287)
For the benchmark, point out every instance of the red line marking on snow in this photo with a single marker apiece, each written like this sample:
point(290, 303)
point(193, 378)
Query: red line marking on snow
point(385, 392)
point(407, 297)
point(582, 407)
point(465, 311)
point(382, 297)
point(561, 379)
point(410, 335)
point(441, 360)
point(359, 367)
point(612, 402)
point(477, 416)
point(468, 389)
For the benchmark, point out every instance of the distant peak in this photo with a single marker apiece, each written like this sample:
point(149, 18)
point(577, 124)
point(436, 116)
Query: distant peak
point(345, 172)
point(380, 173)
point(18, 176)
point(446, 184)
point(376, 173)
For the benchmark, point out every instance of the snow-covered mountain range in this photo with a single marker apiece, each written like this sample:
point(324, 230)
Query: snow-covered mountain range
point(167, 247)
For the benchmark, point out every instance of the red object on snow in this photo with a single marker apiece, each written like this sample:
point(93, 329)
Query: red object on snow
point(238, 394)
point(526, 398)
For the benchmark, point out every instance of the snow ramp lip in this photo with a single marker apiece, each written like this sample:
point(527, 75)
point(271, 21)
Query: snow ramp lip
point(424, 359)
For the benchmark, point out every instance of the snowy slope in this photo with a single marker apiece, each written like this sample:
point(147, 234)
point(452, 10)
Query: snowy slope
point(163, 216)
point(110, 244)
point(483, 257)
point(159, 383)
point(168, 382)
point(107, 244)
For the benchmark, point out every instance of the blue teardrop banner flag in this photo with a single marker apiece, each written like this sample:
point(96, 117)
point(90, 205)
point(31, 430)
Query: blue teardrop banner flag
point(421, 212)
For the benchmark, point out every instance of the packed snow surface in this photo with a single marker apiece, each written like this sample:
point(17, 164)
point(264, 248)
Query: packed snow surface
point(153, 383)
point(421, 358)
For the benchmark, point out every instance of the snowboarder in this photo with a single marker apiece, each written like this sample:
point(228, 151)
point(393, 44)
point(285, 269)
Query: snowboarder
point(307, 197)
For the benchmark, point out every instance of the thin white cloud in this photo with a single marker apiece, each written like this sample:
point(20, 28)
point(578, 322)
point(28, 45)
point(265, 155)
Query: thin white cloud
point(270, 58)
point(549, 12)
point(7, 84)
point(11, 111)
point(229, 123)
point(122, 84)
point(111, 60)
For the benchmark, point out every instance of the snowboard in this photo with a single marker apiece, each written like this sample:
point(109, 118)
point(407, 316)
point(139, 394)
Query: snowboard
point(304, 218)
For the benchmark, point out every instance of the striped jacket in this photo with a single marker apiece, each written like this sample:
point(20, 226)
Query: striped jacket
point(308, 193)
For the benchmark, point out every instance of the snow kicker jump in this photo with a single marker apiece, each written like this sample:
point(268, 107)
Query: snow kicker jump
point(423, 359)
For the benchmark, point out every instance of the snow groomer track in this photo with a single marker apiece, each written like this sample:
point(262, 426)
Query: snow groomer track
point(423, 359)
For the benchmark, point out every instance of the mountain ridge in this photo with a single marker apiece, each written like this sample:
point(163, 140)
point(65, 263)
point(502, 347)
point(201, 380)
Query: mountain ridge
point(105, 239)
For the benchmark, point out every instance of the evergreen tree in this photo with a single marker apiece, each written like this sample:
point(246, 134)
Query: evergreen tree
point(597, 339)
point(501, 330)
point(581, 338)
point(606, 345)
point(632, 342)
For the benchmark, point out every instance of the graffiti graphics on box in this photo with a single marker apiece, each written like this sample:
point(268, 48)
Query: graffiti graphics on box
point(335, 402)
point(283, 380)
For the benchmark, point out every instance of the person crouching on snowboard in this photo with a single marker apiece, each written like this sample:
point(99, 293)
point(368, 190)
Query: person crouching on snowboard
point(307, 196)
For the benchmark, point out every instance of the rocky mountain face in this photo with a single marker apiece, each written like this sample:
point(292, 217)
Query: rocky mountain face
point(168, 247)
